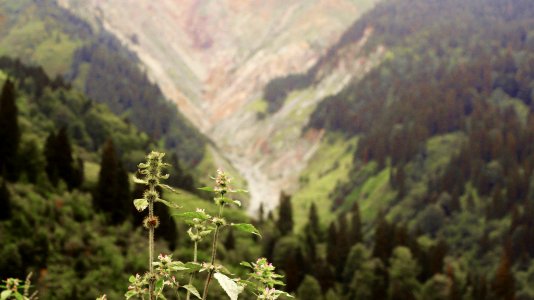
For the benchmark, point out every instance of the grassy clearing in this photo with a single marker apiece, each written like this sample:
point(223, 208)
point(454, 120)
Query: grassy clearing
point(329, 166)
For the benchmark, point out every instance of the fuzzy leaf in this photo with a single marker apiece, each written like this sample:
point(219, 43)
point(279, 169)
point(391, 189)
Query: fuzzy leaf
point(142, 165)
point(159, 284)
point(245, 227)
point(169, 204)
point(168, 187)
point(189, 215)
point(206, 188)
point(131, 279)
point(192, 290)
point(231, 288)
point(193, 267)
point(241, 191)
point(140, 181)
point(5, 294)
point(246, 264)
point(129, 294)
point(18, 296)
point(237, 202)
point(140, 204)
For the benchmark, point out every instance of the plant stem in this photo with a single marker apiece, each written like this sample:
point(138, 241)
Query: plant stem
point(151, 248)
point(188, 295)
point(213, 255)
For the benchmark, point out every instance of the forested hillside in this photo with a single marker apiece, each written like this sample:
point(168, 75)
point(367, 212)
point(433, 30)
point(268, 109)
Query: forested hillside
point(444, 155)
point(66, 211)
point(94, 62)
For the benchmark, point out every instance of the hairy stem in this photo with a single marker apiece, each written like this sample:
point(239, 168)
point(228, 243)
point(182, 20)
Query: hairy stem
point(188, 295)
point(151, 280)
point(213, 256)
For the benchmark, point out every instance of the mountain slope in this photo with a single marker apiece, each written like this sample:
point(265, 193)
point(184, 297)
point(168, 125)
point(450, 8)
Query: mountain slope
point(40, 32)
point(444, 127)
point(214, 59)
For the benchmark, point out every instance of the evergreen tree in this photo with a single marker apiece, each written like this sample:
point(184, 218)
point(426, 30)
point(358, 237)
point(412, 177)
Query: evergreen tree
point(112, 191)
point(122, 195)
point(403, 271)
point(229, 242)
point(285, 215)
point(51, 159)
point(9, 131)
point(332, 253)
point(309, 289)
point(5, 202)
point(313, 221)
point(64, 161)
point(342, 245)
point(503, 285)
point(355, 226)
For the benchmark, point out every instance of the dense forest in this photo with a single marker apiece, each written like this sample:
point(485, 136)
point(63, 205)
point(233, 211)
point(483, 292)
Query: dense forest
point(59, 207)
point(458, 79)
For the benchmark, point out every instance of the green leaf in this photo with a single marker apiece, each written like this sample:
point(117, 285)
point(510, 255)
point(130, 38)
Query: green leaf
point(168, 187)
point(130, 294)
point(131, 279)
point(159, 284)
point(140, 181)
point(140, 204)
point(192, 290)
point(5, 294)
point(193, 267)
point(246, 264)
point(237, 202)
point(245, 227)
point(231, 288)
point(241, 191)
point(169, 204)
point(206, 188)
point(18, 296)
point(189, 215)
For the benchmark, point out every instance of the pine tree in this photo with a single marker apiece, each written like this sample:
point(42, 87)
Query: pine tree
point(229, 242)
point(9, 131)
point(51, 159)
point(503, 284)
point(309, 289)
point(356, 226)
point(112, 192)
point(64, 161)
point(285, 215)
point(332, 254)
point(5, 202)
point(313, 221)
point(122, 195)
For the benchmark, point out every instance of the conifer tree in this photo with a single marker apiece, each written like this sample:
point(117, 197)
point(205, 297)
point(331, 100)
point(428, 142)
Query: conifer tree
point(356, 226)
point(503, 284)
point(285, 215)
point(332, 254)
point(229, 243)
point(64, 161)
point(309, 289)
point(5, 202)
point(9, 131)
point(51, 159)
point(112, 192)
point(313, 221)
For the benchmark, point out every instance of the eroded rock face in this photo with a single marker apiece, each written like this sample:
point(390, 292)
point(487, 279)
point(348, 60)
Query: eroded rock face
point(213, 59)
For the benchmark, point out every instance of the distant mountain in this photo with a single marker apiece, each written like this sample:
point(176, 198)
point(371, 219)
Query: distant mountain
point(214, 58)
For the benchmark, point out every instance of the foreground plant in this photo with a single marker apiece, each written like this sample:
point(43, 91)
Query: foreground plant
point(12, 289)
point(166, 273)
